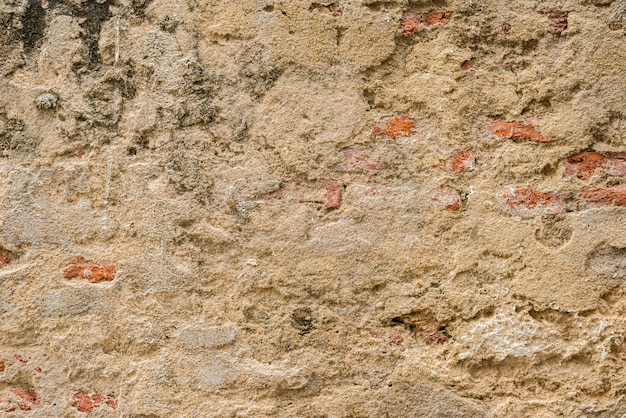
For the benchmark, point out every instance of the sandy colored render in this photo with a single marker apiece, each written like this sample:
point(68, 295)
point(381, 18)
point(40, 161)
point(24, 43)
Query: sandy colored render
point(305, 208)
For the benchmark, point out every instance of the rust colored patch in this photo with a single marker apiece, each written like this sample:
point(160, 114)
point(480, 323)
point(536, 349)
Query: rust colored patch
point(90, 271)
point(516, 131)
point(410, 24)
point(525, 201)
point(612, 196)
point(585, 164)
point(30, 397)
point(83, 402)
point(558, 22)
point(355, 157)
point(506, 28)
point(466, 65)
point(38, 369)
point(434, 339)
point(411, 21)
point(5, 259)
point(463, 161)
point(449, 198)
point(2, 367)
point(392, 336)
point(394, 128)
point(333, 194)
point(110, 401)
point(327, 192)
point(442, 18)
point(372, 191)
point(22, 360)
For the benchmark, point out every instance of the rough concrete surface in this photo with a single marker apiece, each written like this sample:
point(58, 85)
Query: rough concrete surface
point(298, 208)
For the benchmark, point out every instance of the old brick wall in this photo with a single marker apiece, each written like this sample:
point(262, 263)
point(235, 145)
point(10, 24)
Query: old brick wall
point(298, 208)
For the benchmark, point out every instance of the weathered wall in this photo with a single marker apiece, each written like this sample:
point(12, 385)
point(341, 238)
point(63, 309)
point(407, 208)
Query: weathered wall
point(289, 208)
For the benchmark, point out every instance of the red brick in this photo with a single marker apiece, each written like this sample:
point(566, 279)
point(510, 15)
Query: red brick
point(394, 128)
point(442, 18)
point(30, 397)
point(585, 164)
point(333, 194)
point(2, 367)
point(434, 339)
point(5, 259)
point(372, 191)
point(392, 336)
point(84, 402)
point(449, 198)
point(410, 24)
point(517, 131)
point(328, 192)
point(463, 161)
point(558, 22)
point(612, 196)
point(524, 201)
point(411, 21)
point(355, 158)
point(22, 360)
point(90, 271)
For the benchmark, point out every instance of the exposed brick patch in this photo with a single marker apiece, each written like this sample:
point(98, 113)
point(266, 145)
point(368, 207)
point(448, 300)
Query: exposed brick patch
point(435, 18)
point(2, 367)
point(529, 202)
point(22, 360)
point(411, 21)
point(466, 65)
point(510, 60)
point(5, 258)
point(463, 161)
point(90, 271)
point(436, 338)
point(612, 196)
point(410, 24)
point(30, 398)
point(328, 192)
point(84, 402)
point(355, 158)
point(392, 336)
point(585, 164)
point(394, 128)
point(558, 22)
point(517, 131)
point(372, 191)
point(449, 198)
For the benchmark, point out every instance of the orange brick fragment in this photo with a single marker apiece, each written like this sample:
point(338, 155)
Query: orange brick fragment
point(517, 131)
point(30, 397)
point(463, 161)
point(90, 271)
point(525, 201)
point(2, 367)
point(449, 198)
point(442, 18)
point(84, 402)
point(612, 196)
point(394, 128)
point(585, 164)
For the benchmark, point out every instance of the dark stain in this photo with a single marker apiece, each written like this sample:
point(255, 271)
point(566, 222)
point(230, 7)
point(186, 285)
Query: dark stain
point(33, 25)
point(92, 14)
point(303, 320)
